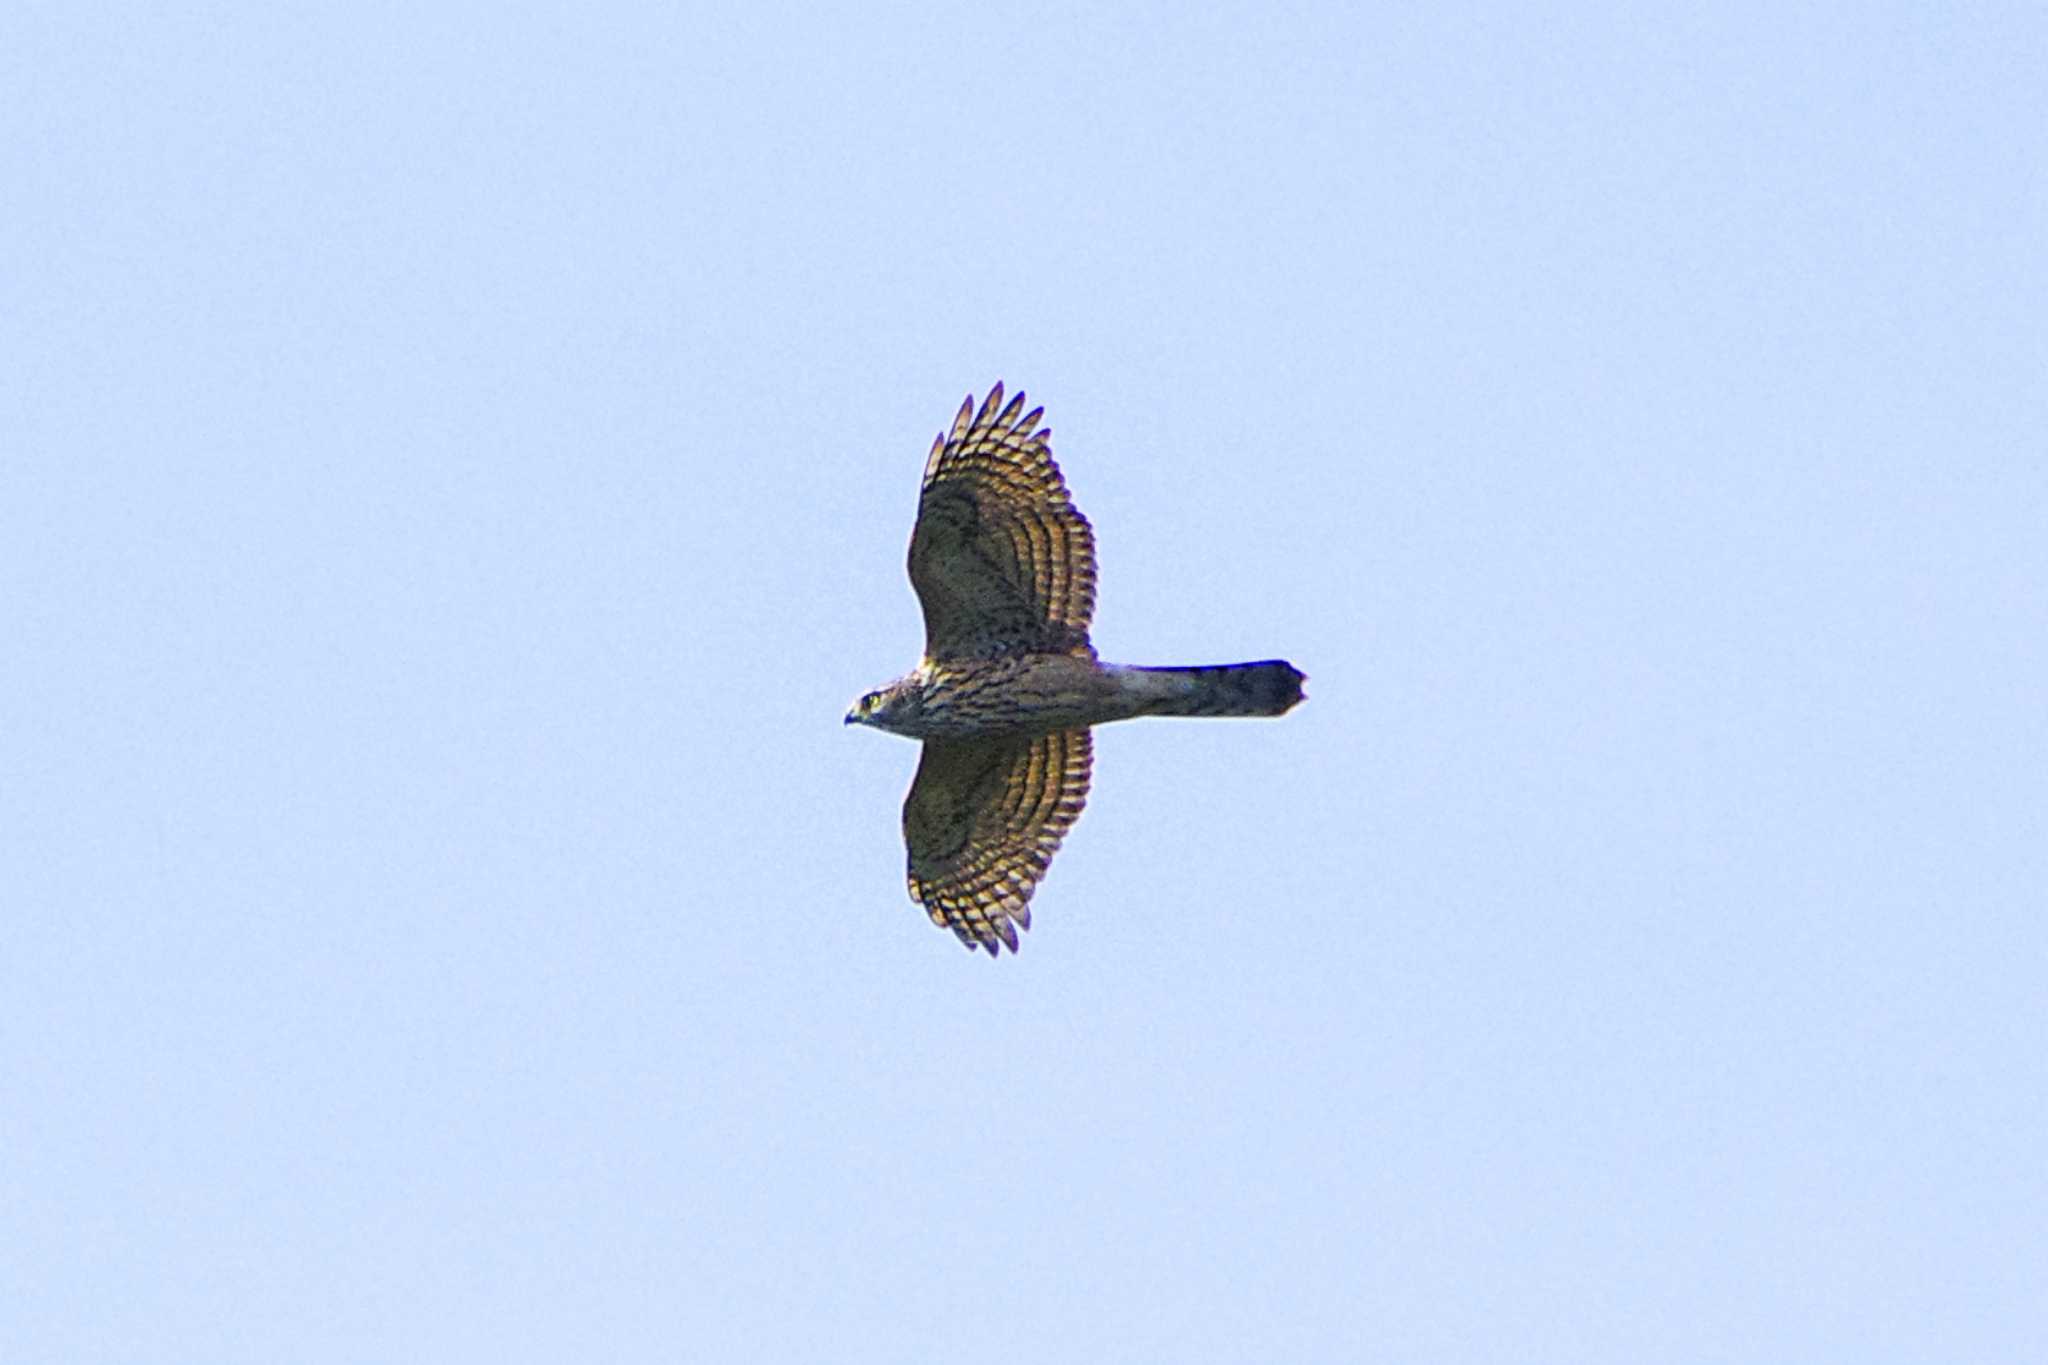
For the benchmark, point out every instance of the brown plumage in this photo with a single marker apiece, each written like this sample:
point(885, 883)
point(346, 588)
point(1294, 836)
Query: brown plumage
point(1004, 567)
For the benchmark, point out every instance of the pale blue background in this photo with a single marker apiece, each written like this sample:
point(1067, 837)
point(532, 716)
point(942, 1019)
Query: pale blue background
point(455, 466)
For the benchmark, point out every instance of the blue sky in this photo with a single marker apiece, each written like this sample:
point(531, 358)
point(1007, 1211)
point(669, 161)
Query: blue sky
point(455, 468)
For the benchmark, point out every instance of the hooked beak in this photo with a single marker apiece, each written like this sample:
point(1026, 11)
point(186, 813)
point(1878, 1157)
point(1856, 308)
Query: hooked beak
point(851, 717)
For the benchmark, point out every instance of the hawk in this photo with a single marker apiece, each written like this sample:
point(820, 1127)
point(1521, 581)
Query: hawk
point(1004, 567)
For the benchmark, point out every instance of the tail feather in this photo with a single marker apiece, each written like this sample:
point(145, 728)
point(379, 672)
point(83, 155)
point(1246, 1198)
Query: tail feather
point(1267, 688)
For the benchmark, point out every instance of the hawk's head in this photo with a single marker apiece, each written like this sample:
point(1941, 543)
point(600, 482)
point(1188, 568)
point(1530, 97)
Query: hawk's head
point(890, 708)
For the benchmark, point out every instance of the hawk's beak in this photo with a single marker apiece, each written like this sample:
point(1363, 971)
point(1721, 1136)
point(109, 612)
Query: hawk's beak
point(851, 717)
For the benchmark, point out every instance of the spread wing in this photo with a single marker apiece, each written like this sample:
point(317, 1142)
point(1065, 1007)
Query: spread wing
point(1001, 561)
point(982, 822)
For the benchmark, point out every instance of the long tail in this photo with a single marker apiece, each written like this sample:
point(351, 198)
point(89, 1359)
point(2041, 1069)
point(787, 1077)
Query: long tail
point(1267, 688)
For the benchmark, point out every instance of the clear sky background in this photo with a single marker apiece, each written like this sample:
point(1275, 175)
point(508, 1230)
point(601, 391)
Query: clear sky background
point(455, 471)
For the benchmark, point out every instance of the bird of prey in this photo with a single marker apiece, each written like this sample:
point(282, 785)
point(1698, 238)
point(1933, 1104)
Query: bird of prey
point(1004, 567)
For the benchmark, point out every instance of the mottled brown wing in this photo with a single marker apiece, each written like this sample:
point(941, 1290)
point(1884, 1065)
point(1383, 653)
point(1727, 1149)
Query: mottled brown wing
point(982, 822)
point(1001, 561)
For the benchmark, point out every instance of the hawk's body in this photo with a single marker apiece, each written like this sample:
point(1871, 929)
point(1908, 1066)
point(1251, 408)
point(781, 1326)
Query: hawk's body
point(1004, 567)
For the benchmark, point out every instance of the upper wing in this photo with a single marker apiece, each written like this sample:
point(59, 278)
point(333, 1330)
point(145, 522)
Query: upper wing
point(1000, 559)
point(982, 822)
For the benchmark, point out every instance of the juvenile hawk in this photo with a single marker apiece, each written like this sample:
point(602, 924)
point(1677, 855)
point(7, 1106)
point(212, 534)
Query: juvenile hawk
point(1004, 567)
